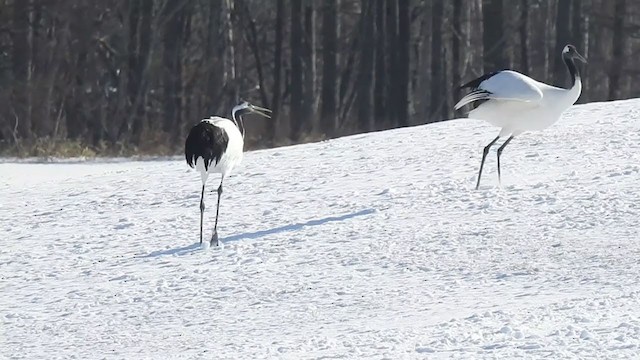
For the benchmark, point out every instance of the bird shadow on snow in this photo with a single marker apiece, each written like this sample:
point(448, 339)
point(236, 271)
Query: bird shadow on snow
point(177, 251)
point(258, 234)
point(297, 226)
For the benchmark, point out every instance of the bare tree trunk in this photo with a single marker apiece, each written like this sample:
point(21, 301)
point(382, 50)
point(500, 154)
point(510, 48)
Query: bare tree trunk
point(277, 73)
point(474, 41)
point(297, 86)
point(632, 86)
point(172, 43)
point(423, 101)
point(403, 62)
point(437, 66)
point(309, 101)
point(76, 104)
point(134, 77)
point(458, 32)
point(214, 57)
point(40, 124)
point(251, 33)
point(380, 116)
point(550, 14)
point(582, 35)
point(512, 21)
point(447, 44)
point(468, 31)
point(538, 33)
point(392, 54)
point(139, 43)
point(564, 31)
point(365, 71)
point(20, 66)
point(524, 30)
point(230, 80)
point(600, 61)
point(493, 35)
point(328, 111)
point(619, 45)
point(345, 97)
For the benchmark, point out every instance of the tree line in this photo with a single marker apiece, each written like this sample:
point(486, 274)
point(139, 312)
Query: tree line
point(137, 74)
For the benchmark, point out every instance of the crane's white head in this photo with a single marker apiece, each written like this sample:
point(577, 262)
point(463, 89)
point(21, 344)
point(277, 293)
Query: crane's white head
point(245, 108)
point(570, 51)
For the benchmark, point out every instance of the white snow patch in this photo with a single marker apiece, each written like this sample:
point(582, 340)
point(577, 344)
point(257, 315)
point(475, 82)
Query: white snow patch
point(371, 246)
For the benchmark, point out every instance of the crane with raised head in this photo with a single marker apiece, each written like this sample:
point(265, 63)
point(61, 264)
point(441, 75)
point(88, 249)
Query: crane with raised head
point(216, 145)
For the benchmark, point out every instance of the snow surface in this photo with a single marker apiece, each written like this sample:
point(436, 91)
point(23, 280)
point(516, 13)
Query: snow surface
point(370, 246)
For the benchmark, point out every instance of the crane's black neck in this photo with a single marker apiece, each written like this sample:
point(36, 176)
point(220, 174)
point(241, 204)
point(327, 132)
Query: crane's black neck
point(573, 69)
point(237, 119)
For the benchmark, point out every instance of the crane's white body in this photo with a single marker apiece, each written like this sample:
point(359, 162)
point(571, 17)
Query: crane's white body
point(231, 157)
point(518, 103)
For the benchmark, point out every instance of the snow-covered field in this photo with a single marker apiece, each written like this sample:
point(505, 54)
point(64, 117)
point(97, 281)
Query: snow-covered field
point(371, 246)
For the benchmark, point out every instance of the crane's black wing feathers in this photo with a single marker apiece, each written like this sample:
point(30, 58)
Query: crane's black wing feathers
point(473, 84)
point(207, 141)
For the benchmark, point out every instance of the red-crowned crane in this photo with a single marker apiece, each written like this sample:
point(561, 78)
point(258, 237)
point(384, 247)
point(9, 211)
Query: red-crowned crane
point(517, 103)
point(215, 145)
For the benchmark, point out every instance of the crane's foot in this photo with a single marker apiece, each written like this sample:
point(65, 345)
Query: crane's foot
point(214, 239)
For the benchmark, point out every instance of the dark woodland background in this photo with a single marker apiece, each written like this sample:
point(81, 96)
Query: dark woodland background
point(120, 77)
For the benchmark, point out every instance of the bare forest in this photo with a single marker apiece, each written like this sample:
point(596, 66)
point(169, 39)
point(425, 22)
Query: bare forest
point(118, 77)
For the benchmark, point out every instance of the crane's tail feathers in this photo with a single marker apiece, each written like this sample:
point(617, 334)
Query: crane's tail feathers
point(473, 96)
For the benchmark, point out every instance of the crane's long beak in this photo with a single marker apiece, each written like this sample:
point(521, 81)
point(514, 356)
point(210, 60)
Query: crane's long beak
point(581, 58)
point(260, 111)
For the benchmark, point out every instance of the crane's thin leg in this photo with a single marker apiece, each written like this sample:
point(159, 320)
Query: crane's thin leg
point(484, 156)
point(500, 152)
point(201, 211)
point(214, 237)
